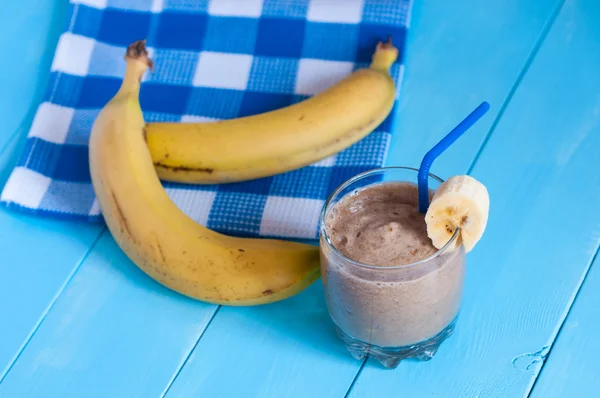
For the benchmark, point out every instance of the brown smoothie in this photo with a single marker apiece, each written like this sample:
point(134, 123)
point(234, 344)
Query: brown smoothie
point(388, 306)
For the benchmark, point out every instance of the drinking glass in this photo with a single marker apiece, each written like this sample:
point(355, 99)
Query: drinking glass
point(391, 312)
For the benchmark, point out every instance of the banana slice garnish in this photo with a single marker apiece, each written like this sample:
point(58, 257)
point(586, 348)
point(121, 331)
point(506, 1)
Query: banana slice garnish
point(460, 202)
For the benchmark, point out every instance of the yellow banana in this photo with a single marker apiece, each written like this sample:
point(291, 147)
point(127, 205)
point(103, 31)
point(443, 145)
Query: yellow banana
point(164, 242)
point(281, 140)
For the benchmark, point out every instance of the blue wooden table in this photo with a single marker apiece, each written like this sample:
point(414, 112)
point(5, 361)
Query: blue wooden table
point(83, 321)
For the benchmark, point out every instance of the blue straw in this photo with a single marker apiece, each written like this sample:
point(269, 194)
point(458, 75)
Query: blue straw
point(441, 147)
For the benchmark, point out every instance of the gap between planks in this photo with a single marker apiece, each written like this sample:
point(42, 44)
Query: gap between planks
point(189, 354)
point(51, 305)
point(562, 322)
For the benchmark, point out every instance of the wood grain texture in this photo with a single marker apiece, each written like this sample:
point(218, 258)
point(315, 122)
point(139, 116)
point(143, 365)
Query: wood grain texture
point(111, 333)
point(290, 349)
point(571, 369)
point(543, 229)
point(33, 272)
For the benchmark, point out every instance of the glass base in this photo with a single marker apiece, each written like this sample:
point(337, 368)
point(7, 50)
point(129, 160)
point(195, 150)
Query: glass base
point(390, 357)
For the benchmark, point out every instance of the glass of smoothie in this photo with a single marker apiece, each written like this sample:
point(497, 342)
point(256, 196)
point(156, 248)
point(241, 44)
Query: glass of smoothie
point(390, 293)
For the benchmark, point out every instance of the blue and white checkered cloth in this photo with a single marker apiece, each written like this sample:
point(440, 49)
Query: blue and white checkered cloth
point(214, 59)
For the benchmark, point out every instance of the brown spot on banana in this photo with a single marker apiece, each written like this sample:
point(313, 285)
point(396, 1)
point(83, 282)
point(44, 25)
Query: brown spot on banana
point(268, 292)
point(176, 169)
point(160, 251)
point(124, 224)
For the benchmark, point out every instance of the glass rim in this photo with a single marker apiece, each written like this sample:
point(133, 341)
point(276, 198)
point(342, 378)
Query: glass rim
point(358, 177)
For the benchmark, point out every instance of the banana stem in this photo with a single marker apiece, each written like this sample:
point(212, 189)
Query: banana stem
point(385, 55)
point(138, 63)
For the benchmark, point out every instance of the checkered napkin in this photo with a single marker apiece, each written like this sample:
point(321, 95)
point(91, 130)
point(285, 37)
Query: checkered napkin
point(214, 60)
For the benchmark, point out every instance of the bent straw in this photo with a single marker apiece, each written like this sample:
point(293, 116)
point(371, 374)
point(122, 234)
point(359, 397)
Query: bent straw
point(440, 147)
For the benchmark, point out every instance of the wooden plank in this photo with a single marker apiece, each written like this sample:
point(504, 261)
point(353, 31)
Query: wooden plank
point(30, 30)
point(284, 349)
point(290, 349)
point(459, 54)
point(540, 167)
point(111, 333)
point(571, 369)
point(34, 272)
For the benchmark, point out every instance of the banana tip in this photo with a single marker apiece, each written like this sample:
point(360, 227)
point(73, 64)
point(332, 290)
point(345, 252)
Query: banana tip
point(137, 51)
point(386, 45)
point(385, 55)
